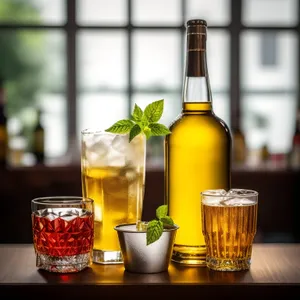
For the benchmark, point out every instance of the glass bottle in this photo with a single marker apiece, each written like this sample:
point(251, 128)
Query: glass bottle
point(39, 140)
point(295, 152)
point(239, 148)
point(3, 128)
point(197, 152)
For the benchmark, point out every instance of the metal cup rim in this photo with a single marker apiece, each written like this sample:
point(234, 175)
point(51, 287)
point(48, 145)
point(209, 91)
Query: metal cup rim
point(120, 229)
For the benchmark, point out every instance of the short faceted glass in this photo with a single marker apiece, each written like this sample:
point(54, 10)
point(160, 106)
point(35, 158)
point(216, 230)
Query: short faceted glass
point(229, 225)
point(113, 175)
point(63, 233)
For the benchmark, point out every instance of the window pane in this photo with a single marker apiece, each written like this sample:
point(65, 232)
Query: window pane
point(100, 110)
point(215, 12)
point(110, 12)
point(279, 72)
point(218, 60)
point(33, 11)
point(270, 12)
point(156, 12)
point(33, 65)
point(54, 107)
point(221, 106)
point(172, 104)
point(156, 59)
point(102, 60)
point(269, 120)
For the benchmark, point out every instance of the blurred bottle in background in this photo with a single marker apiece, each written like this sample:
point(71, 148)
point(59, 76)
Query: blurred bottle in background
point(239, 150)
point(3, 127)
point(17, 143)
point(38, 140)
point(265, 156)
point(294, 157)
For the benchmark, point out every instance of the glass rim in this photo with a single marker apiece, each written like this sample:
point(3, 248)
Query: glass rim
point(91, 130)
point(54, 200)
point(247, 193)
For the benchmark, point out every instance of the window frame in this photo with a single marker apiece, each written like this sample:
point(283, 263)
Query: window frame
point(235, 29)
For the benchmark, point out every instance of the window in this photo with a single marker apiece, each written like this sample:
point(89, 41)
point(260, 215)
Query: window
point(86, 62)
point(269, 77)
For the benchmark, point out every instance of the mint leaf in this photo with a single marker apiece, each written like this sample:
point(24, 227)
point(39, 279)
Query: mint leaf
point(137, 113)
point(154, 110)
point(162, 211)
point(155, 227)
point(159, 129)
point(167, 221)
point(134, 131)
point(147, 132)
point(142, 122)
point(154, 231)
point(122, 126)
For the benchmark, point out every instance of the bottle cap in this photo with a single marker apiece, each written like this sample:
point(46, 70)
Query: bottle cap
point(196, 22)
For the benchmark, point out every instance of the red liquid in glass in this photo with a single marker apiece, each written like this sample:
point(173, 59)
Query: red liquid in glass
point(63, 238)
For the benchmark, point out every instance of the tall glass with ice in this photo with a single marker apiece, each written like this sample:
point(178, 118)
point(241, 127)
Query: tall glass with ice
point(229, 224)
point(113, 175)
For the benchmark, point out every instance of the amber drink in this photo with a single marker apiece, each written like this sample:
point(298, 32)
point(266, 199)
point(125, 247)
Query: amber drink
point(113, 175)
point(229, 224)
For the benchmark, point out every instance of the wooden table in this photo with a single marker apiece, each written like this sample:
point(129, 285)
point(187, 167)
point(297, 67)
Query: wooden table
point(275, 271)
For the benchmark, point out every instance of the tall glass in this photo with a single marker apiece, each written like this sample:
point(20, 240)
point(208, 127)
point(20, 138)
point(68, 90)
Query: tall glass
point(113, 175)
point(229, 227)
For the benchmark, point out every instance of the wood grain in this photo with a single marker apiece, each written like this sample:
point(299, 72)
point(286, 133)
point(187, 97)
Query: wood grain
point(275, 271)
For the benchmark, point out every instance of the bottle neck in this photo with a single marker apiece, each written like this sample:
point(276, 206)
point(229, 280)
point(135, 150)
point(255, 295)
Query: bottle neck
point(196, 86)
point(39, 120)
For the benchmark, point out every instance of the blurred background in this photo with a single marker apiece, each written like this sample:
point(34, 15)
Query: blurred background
point(66, 65)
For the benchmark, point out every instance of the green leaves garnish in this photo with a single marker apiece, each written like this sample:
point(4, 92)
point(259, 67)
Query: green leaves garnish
point(155, 227)
point(154, 231)
point(145, 122)
point(122, 126)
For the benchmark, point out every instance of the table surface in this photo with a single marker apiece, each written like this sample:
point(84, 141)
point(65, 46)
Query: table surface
point(275, 270)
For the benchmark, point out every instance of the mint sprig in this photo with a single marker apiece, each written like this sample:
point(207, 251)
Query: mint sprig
point(145, 122)
point(155, 227)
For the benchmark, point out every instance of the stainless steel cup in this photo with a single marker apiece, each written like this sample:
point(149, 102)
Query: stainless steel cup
point(139, 257)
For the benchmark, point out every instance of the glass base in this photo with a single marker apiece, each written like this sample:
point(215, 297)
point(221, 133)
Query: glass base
point(189, 255)
point(107, 257)
point(63, 264)
point(225, 264)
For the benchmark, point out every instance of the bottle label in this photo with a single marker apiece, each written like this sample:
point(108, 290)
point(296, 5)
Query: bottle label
point(196, 52)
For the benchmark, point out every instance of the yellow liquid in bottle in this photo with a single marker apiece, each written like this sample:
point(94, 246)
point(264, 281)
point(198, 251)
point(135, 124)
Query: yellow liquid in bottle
point(197, 158)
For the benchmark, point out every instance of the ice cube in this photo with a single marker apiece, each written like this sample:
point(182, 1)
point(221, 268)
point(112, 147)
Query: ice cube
point(49, 213)
point(68, 214)
point(120, 143)
point(99, 148)
point(211, 197)
point(236, 202)
point(130, 173)
point(137, 150)
point(218, 192)
point(238, 192)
